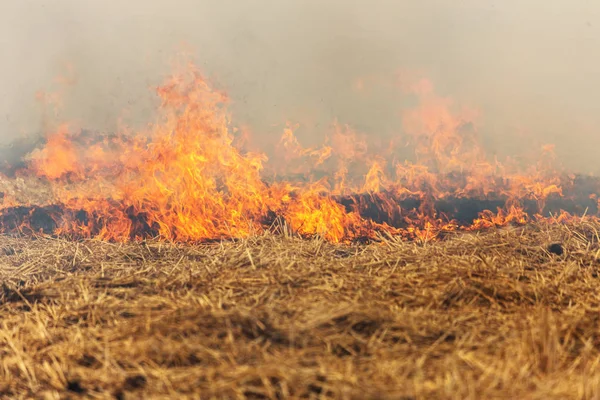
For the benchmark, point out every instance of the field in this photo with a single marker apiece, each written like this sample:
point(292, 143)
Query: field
point(483, 315)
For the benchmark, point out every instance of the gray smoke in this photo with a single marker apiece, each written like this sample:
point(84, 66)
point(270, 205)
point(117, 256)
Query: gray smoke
point(531, 66)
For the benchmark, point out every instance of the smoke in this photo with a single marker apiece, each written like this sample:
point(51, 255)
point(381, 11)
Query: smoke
point(531, 67)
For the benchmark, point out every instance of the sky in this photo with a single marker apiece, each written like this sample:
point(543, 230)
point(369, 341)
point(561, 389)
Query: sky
point(531, 67)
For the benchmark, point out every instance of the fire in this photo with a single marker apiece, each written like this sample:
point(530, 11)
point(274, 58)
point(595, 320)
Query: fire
point(57, 158)
point(188, 179)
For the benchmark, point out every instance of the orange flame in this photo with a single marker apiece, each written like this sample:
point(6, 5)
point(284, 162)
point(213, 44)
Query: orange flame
point(187, 179)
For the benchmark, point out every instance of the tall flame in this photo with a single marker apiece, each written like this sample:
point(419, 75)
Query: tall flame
point(187, 179)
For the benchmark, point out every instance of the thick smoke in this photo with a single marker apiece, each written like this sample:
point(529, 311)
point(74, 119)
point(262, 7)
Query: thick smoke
point(531, 67)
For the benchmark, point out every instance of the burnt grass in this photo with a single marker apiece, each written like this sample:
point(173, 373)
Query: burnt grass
point(383, 207)
point(496, 314)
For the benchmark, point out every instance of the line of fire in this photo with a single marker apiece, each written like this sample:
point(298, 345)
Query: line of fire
point(191, 177)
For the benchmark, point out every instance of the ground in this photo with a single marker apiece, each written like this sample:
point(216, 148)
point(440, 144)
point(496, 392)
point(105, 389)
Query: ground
point(485, 315)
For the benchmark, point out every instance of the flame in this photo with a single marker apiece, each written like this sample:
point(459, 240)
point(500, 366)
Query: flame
point(188, 178)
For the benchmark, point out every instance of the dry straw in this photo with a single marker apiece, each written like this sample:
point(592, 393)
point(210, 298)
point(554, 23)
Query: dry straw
point(487, 315)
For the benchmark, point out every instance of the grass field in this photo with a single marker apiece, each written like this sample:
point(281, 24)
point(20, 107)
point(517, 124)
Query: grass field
point(486, 315)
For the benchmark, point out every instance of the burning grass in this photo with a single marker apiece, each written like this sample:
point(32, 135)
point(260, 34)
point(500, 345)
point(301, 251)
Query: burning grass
point(192, 175)
point(477, 315)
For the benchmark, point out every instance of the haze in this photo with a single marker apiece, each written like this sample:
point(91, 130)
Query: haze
point(532, 67)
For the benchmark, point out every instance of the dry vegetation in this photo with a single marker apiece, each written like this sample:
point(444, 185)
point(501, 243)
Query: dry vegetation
point(488, 315)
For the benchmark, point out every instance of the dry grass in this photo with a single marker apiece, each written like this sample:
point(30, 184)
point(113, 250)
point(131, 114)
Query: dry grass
point(490, 315)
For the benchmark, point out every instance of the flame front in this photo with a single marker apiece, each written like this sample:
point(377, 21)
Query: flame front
point(186, 179)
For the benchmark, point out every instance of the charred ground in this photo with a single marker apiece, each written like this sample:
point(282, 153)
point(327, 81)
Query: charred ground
point(386, 208)
point(478, 315)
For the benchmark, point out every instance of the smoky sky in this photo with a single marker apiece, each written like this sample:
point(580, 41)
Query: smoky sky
point(532, 67)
